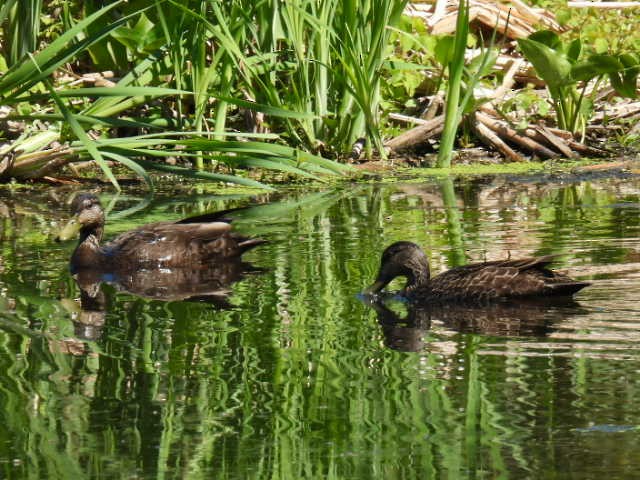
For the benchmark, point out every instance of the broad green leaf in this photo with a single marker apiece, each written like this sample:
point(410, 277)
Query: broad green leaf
point(626, 80)
point(552, 66)
point(606, 63)
point(547, 37)
point(573, 50)
point(142, 37)
point(595, 66)
point(444, 49)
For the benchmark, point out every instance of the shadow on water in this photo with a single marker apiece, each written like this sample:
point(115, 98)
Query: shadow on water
point(297, 378)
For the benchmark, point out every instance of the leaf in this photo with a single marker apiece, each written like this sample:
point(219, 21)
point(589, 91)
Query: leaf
point(280, 164)
point(129, 163)
point(444, 49)
point(268, 109)
point(82, 136)
point(552, 66)
point(597, 65)
point(573, 50)
point(606, 63)
point(142, 37)
point(630, 76)
point(601, 45)
point(485, 64)
point(547, 37)
point(102, 92)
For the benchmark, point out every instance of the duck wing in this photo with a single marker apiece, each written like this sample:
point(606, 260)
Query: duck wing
point(526, 277)
point(176, 244)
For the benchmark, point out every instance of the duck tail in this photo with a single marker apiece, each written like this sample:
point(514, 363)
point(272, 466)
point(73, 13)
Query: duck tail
point(567, 288)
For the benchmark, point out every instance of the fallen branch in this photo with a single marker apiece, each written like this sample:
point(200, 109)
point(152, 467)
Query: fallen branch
point(417, 135)
point(491, 139)
point(503, 129)
point(544, 134)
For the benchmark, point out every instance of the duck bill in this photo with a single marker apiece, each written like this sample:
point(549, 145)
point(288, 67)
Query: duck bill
point(69, 231)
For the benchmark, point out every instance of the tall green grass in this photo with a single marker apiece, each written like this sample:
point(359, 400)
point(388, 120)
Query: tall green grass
point(307, 70)
point(20, 22)
point(462, 79)
point(322, 58)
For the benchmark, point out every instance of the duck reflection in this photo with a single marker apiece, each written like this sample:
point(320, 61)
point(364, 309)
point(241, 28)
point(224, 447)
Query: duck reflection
point(209, 284)
point(526, 319)
point(89, 321)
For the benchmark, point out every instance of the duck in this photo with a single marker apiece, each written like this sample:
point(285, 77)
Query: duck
point(525, 278)
point(189, 243)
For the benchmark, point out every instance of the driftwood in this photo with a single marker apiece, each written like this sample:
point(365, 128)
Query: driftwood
point(497, 132)
point(418, 135)
point(502, 128)
point(491, 126)
point(542, 133)
point(491, 139)
point(523, 20)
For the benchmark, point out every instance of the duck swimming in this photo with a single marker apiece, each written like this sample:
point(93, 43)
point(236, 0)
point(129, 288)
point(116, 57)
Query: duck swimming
point(188, 243)
point(498, 280)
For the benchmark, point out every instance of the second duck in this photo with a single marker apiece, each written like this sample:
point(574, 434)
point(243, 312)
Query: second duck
point(477, 282)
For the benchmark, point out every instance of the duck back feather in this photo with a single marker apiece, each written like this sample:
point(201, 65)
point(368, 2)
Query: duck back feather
point(523, 278)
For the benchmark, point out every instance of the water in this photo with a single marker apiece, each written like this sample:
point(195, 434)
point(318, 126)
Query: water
point(297, 377)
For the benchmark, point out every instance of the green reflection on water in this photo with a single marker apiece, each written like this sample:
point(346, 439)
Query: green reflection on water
point(297, 380)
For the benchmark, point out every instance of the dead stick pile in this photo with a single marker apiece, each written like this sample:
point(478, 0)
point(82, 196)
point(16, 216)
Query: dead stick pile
point(492, 128)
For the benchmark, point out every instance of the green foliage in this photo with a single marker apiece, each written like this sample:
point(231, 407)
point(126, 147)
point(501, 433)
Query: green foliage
point(561, 65)
point(20, 20)
point(406, 73)
point(528, 101)
point(462, 79)
point(201, 49)
point(601, 30)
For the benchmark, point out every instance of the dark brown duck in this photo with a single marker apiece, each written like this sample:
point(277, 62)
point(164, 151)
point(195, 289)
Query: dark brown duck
point(499, 280)
point(186, 243)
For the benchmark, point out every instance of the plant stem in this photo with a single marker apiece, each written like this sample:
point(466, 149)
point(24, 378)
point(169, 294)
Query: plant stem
point(456, 67)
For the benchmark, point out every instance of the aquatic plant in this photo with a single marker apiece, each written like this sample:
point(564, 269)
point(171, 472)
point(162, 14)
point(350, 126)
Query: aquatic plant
point(568, 76)
point(199, 67)
point(462, 79)
point(82, 121)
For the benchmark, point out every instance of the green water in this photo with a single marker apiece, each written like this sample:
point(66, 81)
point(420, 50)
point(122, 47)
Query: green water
point(297, 377)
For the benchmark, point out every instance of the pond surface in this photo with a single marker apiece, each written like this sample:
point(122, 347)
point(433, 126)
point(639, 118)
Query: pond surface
point(294, 376)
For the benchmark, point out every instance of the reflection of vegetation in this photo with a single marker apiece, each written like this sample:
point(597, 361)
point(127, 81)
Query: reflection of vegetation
point(296, 382)
point(454, 227)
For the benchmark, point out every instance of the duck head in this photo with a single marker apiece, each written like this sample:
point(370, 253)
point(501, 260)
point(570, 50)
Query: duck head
point(402, 259)
point(87, 219)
